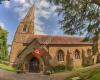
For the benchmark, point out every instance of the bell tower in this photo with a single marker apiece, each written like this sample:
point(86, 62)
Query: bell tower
point(27, 24)
point(25, 28)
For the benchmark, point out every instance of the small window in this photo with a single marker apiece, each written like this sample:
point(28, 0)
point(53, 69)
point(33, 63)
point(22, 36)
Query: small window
point(25, 29)
point(77, 54)
point(60, 55)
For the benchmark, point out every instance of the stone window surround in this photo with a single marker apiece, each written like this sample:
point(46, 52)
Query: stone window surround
point(60, 55)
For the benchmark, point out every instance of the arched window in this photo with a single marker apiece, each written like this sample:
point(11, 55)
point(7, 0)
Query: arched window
point(89, 52)
point(25, 29)
point(60, 55)
point(77, 54)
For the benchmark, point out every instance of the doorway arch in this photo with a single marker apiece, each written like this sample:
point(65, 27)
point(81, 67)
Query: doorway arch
point(34, 65)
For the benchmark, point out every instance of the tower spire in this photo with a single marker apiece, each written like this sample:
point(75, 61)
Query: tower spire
point(27, 24)
point(30, 15)
point(25, 28)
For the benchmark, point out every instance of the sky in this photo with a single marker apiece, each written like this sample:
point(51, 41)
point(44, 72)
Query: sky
point(46, 19)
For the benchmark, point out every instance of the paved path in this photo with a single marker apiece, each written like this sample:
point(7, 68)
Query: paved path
point(6, 75)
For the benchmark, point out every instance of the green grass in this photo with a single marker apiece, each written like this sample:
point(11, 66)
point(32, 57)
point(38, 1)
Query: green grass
point(77, 68)
point(7, 67)
point(93, 74)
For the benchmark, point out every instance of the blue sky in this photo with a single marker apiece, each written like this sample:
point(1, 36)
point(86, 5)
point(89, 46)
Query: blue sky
point(46, 19)
point(8, 20)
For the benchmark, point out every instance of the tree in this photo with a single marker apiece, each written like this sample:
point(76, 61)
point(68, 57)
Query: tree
point(90, 1)
point(79, 17)
point(97, 2)
point(3, 43)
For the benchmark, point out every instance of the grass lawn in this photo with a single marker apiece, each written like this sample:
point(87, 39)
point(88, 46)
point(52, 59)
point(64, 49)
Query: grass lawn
point(6, 67)
point(93, 74)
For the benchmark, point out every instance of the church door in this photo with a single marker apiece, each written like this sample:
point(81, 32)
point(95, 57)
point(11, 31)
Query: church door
point(34, 65)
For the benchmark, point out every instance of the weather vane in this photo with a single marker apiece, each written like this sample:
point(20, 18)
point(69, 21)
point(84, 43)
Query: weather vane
point(3, 0)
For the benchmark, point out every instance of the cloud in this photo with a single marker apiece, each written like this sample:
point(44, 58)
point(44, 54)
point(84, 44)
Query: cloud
point(7, 4)
point(44, 3)
point(20, 1)
point(2, 25)
point(38, 29)
point(44, 13)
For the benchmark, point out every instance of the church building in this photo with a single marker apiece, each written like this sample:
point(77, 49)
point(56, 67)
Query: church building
point(34, 53)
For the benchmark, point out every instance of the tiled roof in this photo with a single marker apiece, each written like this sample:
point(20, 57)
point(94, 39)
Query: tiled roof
point(46, 39)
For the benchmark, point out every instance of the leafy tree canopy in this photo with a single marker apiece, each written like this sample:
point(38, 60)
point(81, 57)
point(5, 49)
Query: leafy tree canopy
point(3, 43)
point(79, 16)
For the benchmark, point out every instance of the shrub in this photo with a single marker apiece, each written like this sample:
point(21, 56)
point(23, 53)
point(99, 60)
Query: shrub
point(59, 68)
point(70, 68)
